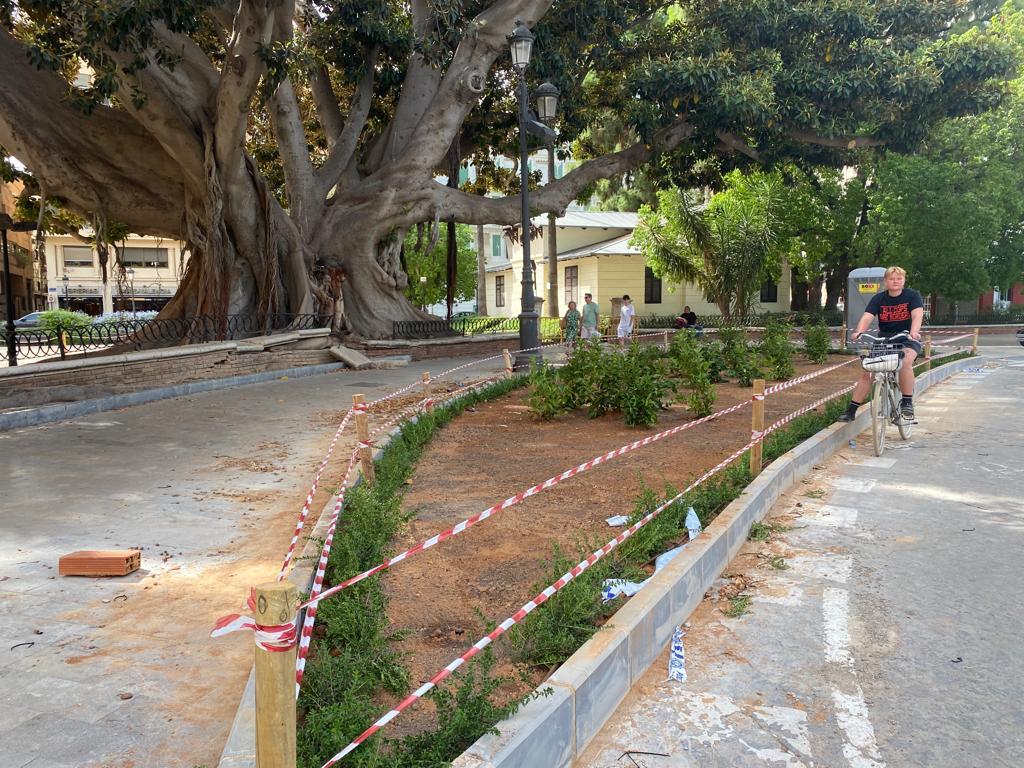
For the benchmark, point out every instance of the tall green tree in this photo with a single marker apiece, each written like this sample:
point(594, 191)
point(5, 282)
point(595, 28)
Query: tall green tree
point(292, 145)
point(728, 247)
point(423, 261)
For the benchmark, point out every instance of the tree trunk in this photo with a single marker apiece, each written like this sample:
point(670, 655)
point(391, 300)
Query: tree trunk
point(798, 299)
point(814, 295)
point(835, 282)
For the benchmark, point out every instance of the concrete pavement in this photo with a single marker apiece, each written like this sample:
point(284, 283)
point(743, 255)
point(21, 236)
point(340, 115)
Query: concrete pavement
point(884, 625)
point(121, 672)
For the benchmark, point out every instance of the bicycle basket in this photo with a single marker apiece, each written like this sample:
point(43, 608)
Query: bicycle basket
point(880, 361)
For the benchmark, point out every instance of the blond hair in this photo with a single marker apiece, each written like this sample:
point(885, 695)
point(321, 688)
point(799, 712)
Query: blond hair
point(896, 271)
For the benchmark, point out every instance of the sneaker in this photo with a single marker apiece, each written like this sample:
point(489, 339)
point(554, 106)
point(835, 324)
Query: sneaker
point(848, 416)
point(907, 411)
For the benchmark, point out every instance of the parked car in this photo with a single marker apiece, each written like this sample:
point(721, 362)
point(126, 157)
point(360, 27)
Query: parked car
point(1020, 336)
point(31, 320)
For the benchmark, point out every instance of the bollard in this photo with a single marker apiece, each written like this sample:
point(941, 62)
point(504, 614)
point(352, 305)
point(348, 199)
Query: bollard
point(757, 427)
point(928, 352)
point(842, 337)
point(276, 603)
point(508, 363)
point(428, 401)
point(363, 435)
point(974, 343)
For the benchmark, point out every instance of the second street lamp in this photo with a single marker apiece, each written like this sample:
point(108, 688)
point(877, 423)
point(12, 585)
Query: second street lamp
point(521, 45)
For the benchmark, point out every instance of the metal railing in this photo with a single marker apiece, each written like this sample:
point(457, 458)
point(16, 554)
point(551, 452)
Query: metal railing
point(1014, 317)
point(469, 326)
point(130, 335)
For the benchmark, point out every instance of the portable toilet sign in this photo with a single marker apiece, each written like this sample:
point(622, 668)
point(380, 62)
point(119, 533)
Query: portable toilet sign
point(861, 285)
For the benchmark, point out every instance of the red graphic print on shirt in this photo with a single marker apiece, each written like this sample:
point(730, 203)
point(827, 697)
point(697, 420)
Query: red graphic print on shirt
point(894, 313)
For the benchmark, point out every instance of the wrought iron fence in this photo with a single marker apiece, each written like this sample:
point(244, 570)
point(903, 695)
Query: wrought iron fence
point(441, 328)
point(799, 319)
point(130, 335)
point(1014, 317)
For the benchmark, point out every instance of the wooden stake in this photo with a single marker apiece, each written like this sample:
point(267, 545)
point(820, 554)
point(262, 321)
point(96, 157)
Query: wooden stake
point(757, 425)
point(928, 352)
point(842, 337)
point(429, 405)
point(275, 680)
point(363, 435)
point(508, 363)
point(974, 344)
point(666, 340)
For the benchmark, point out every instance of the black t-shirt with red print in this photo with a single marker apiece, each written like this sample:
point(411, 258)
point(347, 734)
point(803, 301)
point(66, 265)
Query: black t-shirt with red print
point(893, 312)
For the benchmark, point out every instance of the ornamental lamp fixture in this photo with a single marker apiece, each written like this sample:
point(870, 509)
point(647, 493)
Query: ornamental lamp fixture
point(521, 43)
point(547, 102)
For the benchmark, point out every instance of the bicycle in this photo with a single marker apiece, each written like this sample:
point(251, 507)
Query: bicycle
point(883, 360)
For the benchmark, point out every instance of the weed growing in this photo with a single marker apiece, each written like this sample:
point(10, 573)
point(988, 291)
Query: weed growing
point(777, 562)
point(759, 532)
point(738, 606)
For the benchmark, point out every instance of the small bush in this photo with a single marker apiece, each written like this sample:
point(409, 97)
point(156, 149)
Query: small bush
point(643, 385)
point(693, 368)
point(777, 349)
point(65, 320)
point(548, 395)
point(714, 356)
point(817, 342)
point(739, 360)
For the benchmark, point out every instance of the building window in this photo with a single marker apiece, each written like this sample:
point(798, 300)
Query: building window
point(77, 255)
point(652, 287)
point(496, 246)
point(769, 293)
point(144, 257)
point(572, 283)
point(499, 291)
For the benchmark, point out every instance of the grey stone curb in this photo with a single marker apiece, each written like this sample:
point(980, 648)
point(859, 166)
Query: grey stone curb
point(553, 730)
point(30, 417)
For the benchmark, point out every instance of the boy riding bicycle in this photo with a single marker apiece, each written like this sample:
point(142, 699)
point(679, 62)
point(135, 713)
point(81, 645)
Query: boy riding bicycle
point(898, 309)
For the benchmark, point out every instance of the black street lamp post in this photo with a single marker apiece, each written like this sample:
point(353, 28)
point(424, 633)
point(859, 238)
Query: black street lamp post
point(67, 300)
point(521, 44)
point(7, 223)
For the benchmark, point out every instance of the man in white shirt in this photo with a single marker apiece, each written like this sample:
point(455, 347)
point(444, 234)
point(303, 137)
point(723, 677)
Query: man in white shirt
point(627, 319)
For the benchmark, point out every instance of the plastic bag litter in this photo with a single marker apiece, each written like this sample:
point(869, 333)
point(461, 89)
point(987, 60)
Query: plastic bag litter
point(677, 657)
point(692, 524)
point(616, 520)
point(612, 588)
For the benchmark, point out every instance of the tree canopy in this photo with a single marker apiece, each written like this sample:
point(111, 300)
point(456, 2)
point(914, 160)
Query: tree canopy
point(287, 143)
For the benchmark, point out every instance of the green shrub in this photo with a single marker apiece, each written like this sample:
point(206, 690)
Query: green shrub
point(739, 360)
point(581, 368)
point(692, 367)
point(714, 356)
point(65, 320)
point(817, 341)
point(643, 384)
point(548, 394)
point(777, 350)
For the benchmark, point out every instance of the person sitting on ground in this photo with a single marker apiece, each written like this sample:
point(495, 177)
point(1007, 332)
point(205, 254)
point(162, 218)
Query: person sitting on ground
point(571, 323)
point(898, 309)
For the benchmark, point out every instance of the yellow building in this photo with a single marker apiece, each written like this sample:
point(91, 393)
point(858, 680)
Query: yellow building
point(153, 270)
point(594, 256)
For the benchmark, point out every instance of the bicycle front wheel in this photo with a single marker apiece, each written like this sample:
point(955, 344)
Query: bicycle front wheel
point(879, 414)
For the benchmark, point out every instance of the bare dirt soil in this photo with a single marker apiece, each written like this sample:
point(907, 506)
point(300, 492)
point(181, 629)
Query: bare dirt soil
point(500, 449)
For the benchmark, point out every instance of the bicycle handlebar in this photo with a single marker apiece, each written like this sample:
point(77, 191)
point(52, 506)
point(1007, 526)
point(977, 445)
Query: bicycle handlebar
point(901, 336)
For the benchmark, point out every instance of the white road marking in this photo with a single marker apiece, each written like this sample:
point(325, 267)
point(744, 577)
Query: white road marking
point(835, 606)
point(860, 747)
point(854, 484)
point(884, 462)
point(834, 516)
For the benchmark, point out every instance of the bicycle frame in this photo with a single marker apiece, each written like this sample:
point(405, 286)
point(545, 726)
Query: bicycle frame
point(885, 388)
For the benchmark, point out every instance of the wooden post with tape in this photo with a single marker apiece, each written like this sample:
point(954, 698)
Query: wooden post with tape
point(757, 427)
point(363, 435)
point(276, 604)
point(842, 337)
point(666, 341)
point(927, 351)
point(508, 363)
point(428, 401)
point(974, 343)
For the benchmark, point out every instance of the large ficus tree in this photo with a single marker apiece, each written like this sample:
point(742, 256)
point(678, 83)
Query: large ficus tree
point(292, 145)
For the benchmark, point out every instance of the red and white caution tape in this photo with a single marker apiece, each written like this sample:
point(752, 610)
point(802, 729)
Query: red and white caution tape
point(549, 591)
point(273, 638)
point(511, 501)
point(553, 481)
point(318, 577)
point(304, 512)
